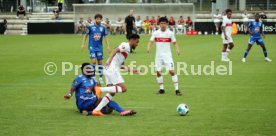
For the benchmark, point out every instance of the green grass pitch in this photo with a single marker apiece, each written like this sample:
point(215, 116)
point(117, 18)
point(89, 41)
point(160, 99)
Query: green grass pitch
point(243, 104)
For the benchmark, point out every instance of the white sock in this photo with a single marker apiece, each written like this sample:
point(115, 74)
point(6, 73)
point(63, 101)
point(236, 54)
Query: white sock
point(160, 82)
point(111, 89)
point(224, 55)
point(105, 100)
point(175, 82)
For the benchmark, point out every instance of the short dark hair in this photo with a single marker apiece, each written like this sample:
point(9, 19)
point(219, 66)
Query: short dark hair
point(134, 36)
point(98, 16)
point(83, 65)
point(163, 19)
point(228, 10)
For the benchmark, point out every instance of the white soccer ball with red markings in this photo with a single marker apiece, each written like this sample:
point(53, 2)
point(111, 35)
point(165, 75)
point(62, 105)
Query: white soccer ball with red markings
point(182, 109)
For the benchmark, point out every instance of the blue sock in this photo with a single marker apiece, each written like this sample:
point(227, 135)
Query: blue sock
point(245, 54)
point(265, 53)
point(100, 68)
point(115, 106)
point(94, 67)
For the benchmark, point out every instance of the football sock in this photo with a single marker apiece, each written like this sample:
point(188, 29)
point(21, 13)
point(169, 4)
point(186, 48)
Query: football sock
point(112, 89)
point(105, 100)
point(100, 68)
point(224, 55)
point(265, 53)
point(115, 106)
point(94, 67)
point(160, 82)
point(245, 54)
point(175, 82)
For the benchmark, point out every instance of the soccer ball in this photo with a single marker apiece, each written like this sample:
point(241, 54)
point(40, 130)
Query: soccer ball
point(182, 109)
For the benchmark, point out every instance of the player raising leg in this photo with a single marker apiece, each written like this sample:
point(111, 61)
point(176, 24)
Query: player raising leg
point(226, 35)
point(86, 101)
point(114, 80)
point(163, 37)
point(96, 33)
point(255, 30)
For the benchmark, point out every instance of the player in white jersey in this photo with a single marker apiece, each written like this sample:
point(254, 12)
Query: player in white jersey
point(163, 37)
point(114, 80)
point(245, 19)
point(217, 19)
point(227, 35)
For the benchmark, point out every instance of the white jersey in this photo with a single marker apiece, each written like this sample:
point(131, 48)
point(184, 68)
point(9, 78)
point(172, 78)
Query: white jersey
point(227, 23)
point(163, 40)
point(245, 17)
point(121, 56)
point(217, 18)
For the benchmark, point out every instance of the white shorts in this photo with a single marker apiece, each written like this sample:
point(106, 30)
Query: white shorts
point(166, 62)
point(113, 76)
point(229, 40)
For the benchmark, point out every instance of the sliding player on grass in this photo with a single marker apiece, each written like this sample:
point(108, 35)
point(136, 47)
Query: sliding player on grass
point(114, 80)
point(255, 30)
point(226, 35)
point(86, 101)
point(96, 32)
point(163, 38)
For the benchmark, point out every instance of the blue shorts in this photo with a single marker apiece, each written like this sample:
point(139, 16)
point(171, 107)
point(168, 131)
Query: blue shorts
point(96, 54)
point(258, 40)
point(86, 103)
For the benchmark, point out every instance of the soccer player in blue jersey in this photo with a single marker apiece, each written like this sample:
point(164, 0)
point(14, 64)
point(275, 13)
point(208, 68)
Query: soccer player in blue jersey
point(96, 33)
point(256, 34)
point(86, 101)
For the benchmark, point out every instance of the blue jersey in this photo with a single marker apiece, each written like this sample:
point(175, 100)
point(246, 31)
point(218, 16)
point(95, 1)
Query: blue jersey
point(82, 85)
point(256, 28)
point(96, 34)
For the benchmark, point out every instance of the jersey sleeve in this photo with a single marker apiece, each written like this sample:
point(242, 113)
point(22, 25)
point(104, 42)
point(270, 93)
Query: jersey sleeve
point(173, 38)
point(76, 83)
point(105, 32)
point(223, 22)
point(152, 38)
point(88, 31)
point(122, 47)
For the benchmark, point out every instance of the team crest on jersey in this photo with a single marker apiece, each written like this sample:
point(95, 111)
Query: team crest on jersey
point(97, 36)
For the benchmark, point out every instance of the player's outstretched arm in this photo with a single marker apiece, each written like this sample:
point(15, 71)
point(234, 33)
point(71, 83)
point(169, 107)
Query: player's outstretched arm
point(262, 32)
point(176, 48)
point(83, 41)
point(107, 43)
point(149, 46)
point(111, 56)
point(69, 94)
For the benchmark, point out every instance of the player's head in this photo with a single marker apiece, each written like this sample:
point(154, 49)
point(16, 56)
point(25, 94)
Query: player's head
point(163, 22)
point(217, 11)
point(133, 40)
point(257, 16)
point(131, 12)
point(228, 13)
point(98, 18)
point(87, 69)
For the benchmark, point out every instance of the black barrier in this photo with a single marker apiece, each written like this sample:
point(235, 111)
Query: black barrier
point(1, 28)
point(51, 28)
point(268, 28)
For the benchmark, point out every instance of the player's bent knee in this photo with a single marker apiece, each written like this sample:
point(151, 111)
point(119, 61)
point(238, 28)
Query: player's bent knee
point(172, 73)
